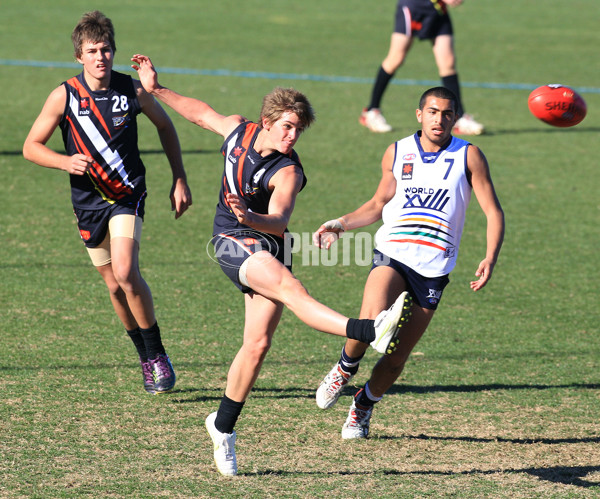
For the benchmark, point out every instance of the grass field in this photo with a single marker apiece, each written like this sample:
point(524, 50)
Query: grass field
point(501, 397)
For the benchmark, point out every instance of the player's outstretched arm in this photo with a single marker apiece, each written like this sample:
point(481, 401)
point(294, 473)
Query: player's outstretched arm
point(368, 213)
point(194, 110)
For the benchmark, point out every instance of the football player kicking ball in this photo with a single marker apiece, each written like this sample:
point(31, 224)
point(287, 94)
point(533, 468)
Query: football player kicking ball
point(261, 178)
point(422, 199)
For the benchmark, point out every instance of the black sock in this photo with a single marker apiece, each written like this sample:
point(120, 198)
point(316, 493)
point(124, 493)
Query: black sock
point(362, 397)
point(381, 82)
point(138, 341)
point(451, 83)
point(152, 340)
point(362, 330)
point(348, 364)
point(228, 414)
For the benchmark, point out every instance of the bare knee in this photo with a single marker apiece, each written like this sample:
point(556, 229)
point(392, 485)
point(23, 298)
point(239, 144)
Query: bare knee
point(126, 277)
point(291, 289)
point(256, 351)
point(109, 279)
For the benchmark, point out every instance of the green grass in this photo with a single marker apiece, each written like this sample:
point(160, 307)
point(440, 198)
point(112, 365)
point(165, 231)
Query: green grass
point(500, 398)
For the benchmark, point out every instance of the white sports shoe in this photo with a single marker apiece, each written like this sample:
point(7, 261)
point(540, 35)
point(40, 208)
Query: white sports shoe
point(374, 121)
point(389, 322)
point(331, 387)
point(357, 423)
point(466, 125)
point(224, 445)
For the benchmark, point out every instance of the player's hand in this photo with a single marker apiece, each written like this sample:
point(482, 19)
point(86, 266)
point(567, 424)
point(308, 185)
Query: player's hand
point(78, 164)
point(146, 72)
point(484, 272)
point(181, 197)
point(239, 208)
point(329, 233)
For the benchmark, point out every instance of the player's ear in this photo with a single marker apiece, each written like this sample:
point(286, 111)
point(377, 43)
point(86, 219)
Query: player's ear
point(266, 123)
point(419, 114)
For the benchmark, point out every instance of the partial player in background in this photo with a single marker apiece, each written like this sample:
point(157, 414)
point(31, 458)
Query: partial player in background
point(96, 112)
point(426, 20)
point(422, 198)
point(262, 176)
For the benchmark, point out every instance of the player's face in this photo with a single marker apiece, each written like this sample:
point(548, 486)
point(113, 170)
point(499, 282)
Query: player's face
point(97, 59)
point(437, 119)
point(285, 132)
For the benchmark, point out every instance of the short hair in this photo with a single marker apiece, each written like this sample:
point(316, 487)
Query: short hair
point(440, 93)
point(93, 27)
point(281, 100)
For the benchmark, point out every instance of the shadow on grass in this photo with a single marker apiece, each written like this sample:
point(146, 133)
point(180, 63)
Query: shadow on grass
point(257, 393)
point(399, 389)
point(566, 475)
point(524, 441)
point(309, 393)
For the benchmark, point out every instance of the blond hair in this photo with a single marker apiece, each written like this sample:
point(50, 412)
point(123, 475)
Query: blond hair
point(281, 100)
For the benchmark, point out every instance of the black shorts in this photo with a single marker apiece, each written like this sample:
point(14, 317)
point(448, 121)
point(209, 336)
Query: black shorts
point(421, 18)
point(232, 249)
point(425, 291)
point(93, 224)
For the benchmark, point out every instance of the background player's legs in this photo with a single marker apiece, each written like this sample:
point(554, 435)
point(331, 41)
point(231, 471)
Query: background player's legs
point(125, 268)
point(117, 297)
point(445, 59)
point(399, 47)
point(124, 252)
point(371, 116)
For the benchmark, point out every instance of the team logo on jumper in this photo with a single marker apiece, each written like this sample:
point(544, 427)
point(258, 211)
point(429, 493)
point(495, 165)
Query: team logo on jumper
point(235, 154)
point(426, 197)
point(434, 296)
point(450, 252)
point(409, 157)
point(120, 121)
point(250, 190)
point(407, 171)
point(84, 106)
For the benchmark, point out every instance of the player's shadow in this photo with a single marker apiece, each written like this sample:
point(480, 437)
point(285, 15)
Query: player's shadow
point(309, 393)
point(400, 389)
point(207, 395)
point(566, 475)
point(521, 441)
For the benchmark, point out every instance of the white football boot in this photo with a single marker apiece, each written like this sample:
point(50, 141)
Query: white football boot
point(224, 447)
point(466, 125)
point(331, 387)
point(374, 121)
point(357, 423)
